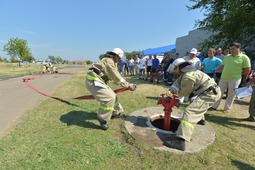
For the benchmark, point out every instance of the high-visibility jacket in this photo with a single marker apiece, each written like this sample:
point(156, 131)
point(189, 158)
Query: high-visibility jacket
point(199, 84)
point(192, 83)
point(107, 69)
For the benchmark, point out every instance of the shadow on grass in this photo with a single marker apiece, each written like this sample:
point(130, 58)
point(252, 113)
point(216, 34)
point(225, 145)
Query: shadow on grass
point(241, 165)
point(80, 118)
point(153, 98)
point(228, 122)
point(137, 81)
point(242, 102)
point(137, 120)
point(66, 102)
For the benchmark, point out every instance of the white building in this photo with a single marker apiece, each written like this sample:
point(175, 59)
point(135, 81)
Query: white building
point(185, 43)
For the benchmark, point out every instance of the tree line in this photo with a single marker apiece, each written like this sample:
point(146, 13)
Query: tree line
point(19, 51)
point(227, 20)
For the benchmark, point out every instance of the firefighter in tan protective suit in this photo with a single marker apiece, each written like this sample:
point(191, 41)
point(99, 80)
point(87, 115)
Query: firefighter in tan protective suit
point(45, 68)
point(96, 81)
point(203, 92)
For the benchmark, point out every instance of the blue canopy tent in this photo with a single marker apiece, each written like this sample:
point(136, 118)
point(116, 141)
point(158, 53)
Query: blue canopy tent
point(159, 50)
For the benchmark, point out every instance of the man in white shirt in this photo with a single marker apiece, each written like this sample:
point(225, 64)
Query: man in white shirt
point(142, 67)
point(148, 66)
point(136, 65)
point(193, 58)
point(131, 66)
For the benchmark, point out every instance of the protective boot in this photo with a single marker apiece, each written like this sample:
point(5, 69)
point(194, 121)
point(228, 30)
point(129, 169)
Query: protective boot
point(176, 144)
point(103, 123)
point(249, 119)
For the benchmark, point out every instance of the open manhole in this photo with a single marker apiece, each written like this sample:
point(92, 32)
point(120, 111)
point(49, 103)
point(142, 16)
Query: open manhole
point(157, 122)
point(146, 125)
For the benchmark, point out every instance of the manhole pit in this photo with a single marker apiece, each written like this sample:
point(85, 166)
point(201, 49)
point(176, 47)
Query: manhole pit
point(139, 124)
point(157, 122)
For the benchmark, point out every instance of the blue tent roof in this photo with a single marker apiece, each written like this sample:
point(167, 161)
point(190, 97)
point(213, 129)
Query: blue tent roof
point(159, 50)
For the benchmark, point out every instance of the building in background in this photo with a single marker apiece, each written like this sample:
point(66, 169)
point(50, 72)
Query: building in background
point(185, 43)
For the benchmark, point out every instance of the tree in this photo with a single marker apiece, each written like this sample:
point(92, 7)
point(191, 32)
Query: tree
point(132, 54)
point(101, 56)
point(59, 59)
point(228, 20)
point(52, 58)
point(89, 62)
point(18, 50)
point(5, 60)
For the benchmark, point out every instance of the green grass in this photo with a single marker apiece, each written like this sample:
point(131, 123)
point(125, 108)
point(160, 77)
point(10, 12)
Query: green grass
point(56, 135)
point(12, 69)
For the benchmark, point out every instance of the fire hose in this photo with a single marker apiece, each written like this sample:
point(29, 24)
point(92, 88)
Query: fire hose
point(85, 97)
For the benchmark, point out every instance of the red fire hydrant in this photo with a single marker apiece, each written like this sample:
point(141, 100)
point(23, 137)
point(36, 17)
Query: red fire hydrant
point(168, 103)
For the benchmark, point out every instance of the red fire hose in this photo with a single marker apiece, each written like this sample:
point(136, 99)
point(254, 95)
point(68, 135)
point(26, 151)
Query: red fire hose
point(86, 97)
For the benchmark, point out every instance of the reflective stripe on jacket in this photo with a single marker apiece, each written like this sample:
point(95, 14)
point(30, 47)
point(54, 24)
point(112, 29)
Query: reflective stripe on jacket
point(109, 69)
point(194, 82)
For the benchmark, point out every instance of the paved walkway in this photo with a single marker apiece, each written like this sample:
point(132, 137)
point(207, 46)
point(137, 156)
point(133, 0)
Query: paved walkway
point(16, 98)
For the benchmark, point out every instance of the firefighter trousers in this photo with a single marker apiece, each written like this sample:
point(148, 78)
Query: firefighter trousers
point(194, 112)
point(109, 104)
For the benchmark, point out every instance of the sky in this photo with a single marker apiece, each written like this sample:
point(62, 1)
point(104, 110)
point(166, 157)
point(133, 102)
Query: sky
point(85, 29)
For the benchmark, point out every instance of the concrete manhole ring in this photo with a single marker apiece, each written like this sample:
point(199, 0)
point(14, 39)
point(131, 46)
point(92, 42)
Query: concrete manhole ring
point(137, 126)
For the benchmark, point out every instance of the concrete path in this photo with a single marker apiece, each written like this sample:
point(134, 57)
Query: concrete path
point(16, 98)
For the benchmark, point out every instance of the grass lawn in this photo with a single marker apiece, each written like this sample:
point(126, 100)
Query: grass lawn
point(56, 135)
point(13, 69)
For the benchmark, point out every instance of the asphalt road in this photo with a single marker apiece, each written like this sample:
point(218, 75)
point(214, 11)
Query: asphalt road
point(16, 98)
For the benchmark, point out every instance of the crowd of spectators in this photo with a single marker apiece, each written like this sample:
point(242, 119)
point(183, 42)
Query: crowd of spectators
point(230, 68)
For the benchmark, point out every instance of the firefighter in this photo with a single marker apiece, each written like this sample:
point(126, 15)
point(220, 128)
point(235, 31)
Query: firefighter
point(50, 66)
point(96, 81)
point(203, 92)
point(54, 69)
point(45, 68)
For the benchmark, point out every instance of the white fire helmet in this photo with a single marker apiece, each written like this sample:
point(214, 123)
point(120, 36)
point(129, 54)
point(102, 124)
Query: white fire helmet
point(175, 64)
point(119, 52)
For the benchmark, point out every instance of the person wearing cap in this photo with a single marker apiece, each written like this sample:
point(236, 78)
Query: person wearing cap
point(233, 67)
point(203, 92)
point(96, 82)
point(192, 57)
